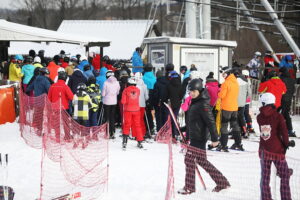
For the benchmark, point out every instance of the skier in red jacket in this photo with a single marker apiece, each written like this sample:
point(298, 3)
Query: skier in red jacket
point(275, 86)
point(130, 101)
point(274, 141)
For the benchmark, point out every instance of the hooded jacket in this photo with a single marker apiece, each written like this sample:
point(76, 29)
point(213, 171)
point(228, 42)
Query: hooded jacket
point(174, 92)
point(60, 89)
point(76, 78)
point(201, 120)
point(83, 63)
point(28, 72)
point(275, 86)
point(101, 78)
point(243, 92)
point(53, 69)
point(40, 85)
point(15, 72)
point(144, 95)
point(160, 91)
point(111, 89)
point(274, 135)
point(212, 86)
point(290, 86)
point(229, 94)
point(137, 62)
point(285, 62)
point(149, 79)
point(82, 104)
point(130, 99)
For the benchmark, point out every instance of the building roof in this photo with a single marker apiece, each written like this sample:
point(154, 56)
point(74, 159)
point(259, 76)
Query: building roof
point(190, 41)
point(125, 35)
point(10, 31)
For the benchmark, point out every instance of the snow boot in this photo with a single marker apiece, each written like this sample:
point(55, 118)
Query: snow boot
point(139, 145)
point(292, 133)
point(185, 191)
point(124, 143)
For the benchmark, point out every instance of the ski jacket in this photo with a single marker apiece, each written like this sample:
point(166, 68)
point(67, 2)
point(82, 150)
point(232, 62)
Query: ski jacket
point(201, 120)
point(76, 78)
point(94, 93)
point(130, 99)
point(213, 89)
point(39, 65)
point(160, 91)
point(53, 69)
point(40, 85)
point(60, 90)
point(15, 72)
point(101, 78)
point(88, 74)
point(149, 79)
point(84, 63)
point(137, 62)
point(64, 64)
point(275, 86)
point(243, 92)
point(111, 89)
point(254, 65)
point(144, 95)
point(82, 104)
point(273, 131)
point(27, 71)
point(285, 62)
point(229, 94)
point(70, 70)
point(174, 92)
point(290, 86)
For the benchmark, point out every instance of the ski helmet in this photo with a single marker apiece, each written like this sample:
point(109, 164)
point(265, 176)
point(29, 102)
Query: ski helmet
point(195, 84)
point(81, 87)
point(257, 54)
point(62, 75)
point(245, 72)
point(123, 73)
point(28, 59)
point(19, 57)
point(44, 71)
point(148, 67)
point(109, 73)
point(267, 99)
point(169, 67)
point(183, 68)
point(37, 59)
point(132, 81)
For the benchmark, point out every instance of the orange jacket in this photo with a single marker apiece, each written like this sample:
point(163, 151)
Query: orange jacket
point(53, 68)
point(229, 94)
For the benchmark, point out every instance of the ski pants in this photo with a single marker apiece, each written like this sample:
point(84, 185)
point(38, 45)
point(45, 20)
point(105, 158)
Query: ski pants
point(161, 116)
point(241, 117)
point(230, 117)
point(132, 121)
point(285, 111)
point(282, 171)
point(247, 115)
point(197, 156)
point(109, 113)
point(143, 126)
point(174, 128)
point(148, 110)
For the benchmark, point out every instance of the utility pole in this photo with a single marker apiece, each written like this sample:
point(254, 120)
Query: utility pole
point(260, 35)
point(206, 19)
point(190, 19)
point(281, 27)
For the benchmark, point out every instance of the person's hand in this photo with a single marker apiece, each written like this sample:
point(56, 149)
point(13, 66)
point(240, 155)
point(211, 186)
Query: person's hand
point(215, 144)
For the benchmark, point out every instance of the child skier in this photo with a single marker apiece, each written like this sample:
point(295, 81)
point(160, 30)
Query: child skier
point(274, 142)
point(94, 93)
point(130, 101)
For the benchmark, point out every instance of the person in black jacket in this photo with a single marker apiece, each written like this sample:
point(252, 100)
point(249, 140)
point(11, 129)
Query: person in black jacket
point(201, 119)
point(76, 78)
point(286, 100)
point(174, 95)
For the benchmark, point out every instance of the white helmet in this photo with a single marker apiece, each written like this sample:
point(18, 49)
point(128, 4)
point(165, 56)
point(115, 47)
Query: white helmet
point(267, 98)
point(132, 81)
point(257, 54)
point(138, 75)
point(195, 74)
point(83, 57)
point(61, 70)
point(37, 59)
point(245, 72)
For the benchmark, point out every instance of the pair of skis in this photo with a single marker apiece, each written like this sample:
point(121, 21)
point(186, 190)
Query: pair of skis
point(185, 142)
point(4, 170)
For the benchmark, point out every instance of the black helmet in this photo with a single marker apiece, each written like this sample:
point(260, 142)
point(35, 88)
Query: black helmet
point(81, 86)
point(148, 67)
point(86, 67)
point(123, 73)
point(226, 70)
point(32, 53)
point(196, 84)
point(44, 71)
point(28, 59)
point(271, 74)
point(62, 75)
point(183, 68)
point(66, 59)
point(109, 73)
point(56, 58)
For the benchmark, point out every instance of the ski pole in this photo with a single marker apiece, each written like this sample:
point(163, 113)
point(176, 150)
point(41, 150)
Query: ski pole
point(5, 187)
point(147, 123)
point(185, 142)
point(100, 114)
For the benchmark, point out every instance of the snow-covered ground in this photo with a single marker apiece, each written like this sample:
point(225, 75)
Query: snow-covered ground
point(134, 174)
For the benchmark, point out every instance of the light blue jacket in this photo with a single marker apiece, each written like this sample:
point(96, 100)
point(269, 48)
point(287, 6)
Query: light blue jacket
point(137, 62)
point(28, 71)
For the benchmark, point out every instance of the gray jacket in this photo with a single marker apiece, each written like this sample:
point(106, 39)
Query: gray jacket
point(144, 94)
point(243, 92)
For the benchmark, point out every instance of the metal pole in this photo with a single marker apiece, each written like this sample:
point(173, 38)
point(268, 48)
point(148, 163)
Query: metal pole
point(206, 19)
point(281, 27)
point(259, 33)
point(190, 19)
point(168, 6)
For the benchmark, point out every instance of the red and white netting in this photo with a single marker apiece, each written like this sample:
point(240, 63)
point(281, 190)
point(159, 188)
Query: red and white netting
point(75, 158)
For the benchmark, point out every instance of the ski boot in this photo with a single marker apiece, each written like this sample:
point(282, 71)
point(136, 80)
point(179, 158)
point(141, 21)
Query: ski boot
point(210, 146)
point(124, 143)
point(139, 145)
point(222, 149)
point(292, 133)
point(237, 147)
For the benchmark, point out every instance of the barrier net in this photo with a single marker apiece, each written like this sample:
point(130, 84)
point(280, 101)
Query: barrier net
point(74, 162)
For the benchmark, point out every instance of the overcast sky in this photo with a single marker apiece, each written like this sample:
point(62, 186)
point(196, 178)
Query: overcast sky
point(8, 3)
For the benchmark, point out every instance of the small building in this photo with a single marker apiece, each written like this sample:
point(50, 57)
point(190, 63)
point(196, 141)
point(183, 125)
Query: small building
point(206, 55)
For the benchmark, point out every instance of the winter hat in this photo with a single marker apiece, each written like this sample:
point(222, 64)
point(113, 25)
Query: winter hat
point(138, 75)
point(19, 57)
point(267, 99)
point(28, 59)
point(183, 68)
point(169, 67)
point(195, 84)
point(210, 75)
point(109, 73)
point(37, 59)
point(132, 81)
point(245, 72)
point(83, 58)
point(195, 75)
point(148, 67)
point(225, 70)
